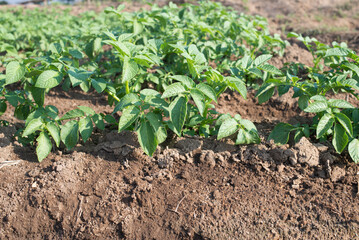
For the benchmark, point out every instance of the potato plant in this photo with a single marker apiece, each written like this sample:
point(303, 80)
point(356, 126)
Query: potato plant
point(335, 119)
point(163, 70)
point(156, 76)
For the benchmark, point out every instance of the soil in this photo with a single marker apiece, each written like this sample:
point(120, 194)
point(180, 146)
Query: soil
point(193, 188)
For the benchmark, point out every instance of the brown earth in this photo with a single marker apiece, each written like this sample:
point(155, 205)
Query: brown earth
point(327, 20)
point(192, 188)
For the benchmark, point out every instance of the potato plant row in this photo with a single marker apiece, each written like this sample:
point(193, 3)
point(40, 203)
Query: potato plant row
point(162, 71)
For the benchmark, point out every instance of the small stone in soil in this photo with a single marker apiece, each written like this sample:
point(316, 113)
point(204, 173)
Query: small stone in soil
point(337, 174)
point(280, 168)
point(216, 194)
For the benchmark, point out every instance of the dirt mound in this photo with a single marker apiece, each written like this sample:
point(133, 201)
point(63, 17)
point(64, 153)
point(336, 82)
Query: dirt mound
point(186, 192)
point(192, 188)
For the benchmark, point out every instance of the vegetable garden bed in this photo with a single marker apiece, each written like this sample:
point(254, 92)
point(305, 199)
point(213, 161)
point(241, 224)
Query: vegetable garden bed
point(165, 124)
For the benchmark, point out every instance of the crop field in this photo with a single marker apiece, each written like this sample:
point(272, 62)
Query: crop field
point(198, 120)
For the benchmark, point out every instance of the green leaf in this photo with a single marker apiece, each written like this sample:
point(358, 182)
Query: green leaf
point(337, 52)
point(22, 111)
point(340, 138)
point(129, 115)
point(353, 149)
point(76, 53)
point(48, 79)
point(298, 135)
point(147, 138)
point(33, 126)
point(44, 146)
point(228, 127)
point(39, 95)
point(3, 107)
point(14, 72)
point(339, 103)
point(199, 100)
point(238, 85)
point(280, 133)
point(87, 110)
point(85, 86)
point(208, 91)
point(173, 90)
point(223, 118)
point(156, 122)
point(262, 59)
point(85, 128)
point(178, 112)
point(110, 119)
point(271, 69)
point(345, 122)
point(54, 131)
point(137, 27)
point(303, 102)
point(99, 84)
point(98, 120)
point(247, 137)
point(75, 113)
point(77, 76)
point(52, 112)
point(70, 134)
point(292, 34)
point(128, 99)
point(316, 107)
point(130, 70)
point(246, 62)
point(350, 83)
point(149, 92)
point(120, 47)
point(352, 67)
point(256, 72)
point(247, 124)
point(187, 81)
point(325, 123)
point(55, 48)
point(265, 93)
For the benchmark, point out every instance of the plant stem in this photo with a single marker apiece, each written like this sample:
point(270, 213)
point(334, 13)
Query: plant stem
point(112, 95)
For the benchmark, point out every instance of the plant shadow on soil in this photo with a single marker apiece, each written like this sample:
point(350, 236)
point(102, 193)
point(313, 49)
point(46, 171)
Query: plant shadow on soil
point(194, 189)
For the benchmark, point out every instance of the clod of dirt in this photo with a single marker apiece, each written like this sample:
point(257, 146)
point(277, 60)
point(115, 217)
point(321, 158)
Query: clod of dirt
point(189, 144)
point(256, 152)
point(189, 158)
point(117, 147)
point(321, 147)
point(129, 137)
point(208, 157)
point(163, 174)
point(4, 141)
point(6, 153)
point(169, 156)
point(280, 168)
point(236, 157)
point(327, 158)
point(291, 156)
point(142, 185)
point(307, 153)
point(216, 194)
point(223, 157)
point(337, 174)
point(281, 154)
